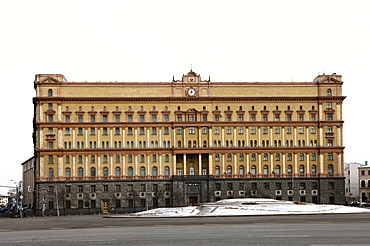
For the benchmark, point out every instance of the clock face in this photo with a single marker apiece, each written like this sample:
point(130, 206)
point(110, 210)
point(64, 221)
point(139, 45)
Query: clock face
point(191, 92)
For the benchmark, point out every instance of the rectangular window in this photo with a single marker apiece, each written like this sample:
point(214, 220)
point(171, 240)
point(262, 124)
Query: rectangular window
point(241, 157)
point(313, 129)
point(68, 118)
point(80, 118)
point(117, 118)
point(92, 131)
point(165, 130)
point(277, 117)
point(329, 117)
point(129, 158)
point(92, 188)
point(155, 187)
point(289, 156)
point(118, 158)
point(301, 130)
point(264, 117)
point(330, 156)
point(80, 188)
point(50, 106)
point(92, 118)
point(253, 130)
point(154, 158)
point(68, 189)
point(68, 131)
point(254, 186)
point(142, 118)
point(142, 158)
point(330, 129)
point(313, 117)
point(204, 117)
point(217, 117)
point(50, 118)
point(300, 117)
point(277, 130)
point(165, 118)
point(217, 157)
point(129, 118)
point(105, 118)
point(278, 186)
point(118, 203)
point(51, 159)
point(117, 131)
point(129, 130)
point(253, 157)
point(204, 129)
point(228, 117)
point(266, 185)
point(329, 105)
point(179, 117)
point(105, 188)
point(154, 118)
point(229, 186)
point(142, 131)
point(154, 130)
point(130, 187)
point(218, 186)
point(229, 157)
point(217, 130)
point(179, 130)
point(265, 130)
point(191, 130)
point(240, 117)
point(228, 130)
point(167, 187)
point(289, 130)
point(105, 131)
point(253, 117)
point(241, 130)
point(288, 117)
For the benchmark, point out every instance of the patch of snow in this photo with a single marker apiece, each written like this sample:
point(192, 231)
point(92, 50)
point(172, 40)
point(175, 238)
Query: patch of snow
point(250, 206)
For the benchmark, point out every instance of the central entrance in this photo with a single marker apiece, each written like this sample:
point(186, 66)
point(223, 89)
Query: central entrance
point(105, 208)
point(193, 200)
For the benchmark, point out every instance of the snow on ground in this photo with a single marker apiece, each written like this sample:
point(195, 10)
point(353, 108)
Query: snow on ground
point(249, 206)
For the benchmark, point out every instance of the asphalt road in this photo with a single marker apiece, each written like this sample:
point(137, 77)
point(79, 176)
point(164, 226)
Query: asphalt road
point(335, 229)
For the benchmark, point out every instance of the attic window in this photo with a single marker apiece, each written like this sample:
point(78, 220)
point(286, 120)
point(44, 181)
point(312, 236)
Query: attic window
point(50, 93)
point(328, 92)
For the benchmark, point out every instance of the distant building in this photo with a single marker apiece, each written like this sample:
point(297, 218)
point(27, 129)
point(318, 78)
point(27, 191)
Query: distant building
point(124, 146)
point(364, 177)
point(28, 172)
point(352, 186)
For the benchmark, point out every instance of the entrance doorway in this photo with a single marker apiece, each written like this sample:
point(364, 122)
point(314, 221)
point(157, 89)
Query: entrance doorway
point(105, 208)
point(193, 200)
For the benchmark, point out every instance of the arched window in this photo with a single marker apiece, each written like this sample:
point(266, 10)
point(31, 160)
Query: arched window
point(289, 169)
point(229, 170)
point(241, 170)
point(301, 169)
point(105, 171)
point(363, 183)
point(130, 171)
point(191, 170)
point(118, 171)
point(154, 171)
point(93, 172)
point(313, 169)
point(179, 144)
point(253, 169)
point(194, 144)
point(167, 171)
point(330, 169)
point(277, 169)
point(50, 93)
point(189, 144)
point(205, 143)
point(217, 170)
point(164, 144)
point(265, 169)
point(80, 172)
point(328, 92)
point(142, 171)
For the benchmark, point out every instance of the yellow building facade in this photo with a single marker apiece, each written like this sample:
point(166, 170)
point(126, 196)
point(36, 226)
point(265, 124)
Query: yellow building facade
point(193, 139)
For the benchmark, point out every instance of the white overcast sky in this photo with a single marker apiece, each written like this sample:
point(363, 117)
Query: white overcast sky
point(233, 40)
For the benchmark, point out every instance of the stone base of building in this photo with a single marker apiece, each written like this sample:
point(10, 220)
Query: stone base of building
point(128, 196)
